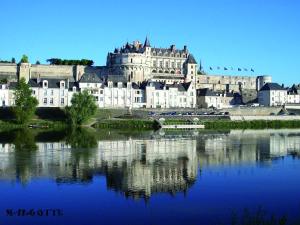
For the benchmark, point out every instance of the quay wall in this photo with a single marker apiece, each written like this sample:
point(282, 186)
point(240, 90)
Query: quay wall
point(249, 118)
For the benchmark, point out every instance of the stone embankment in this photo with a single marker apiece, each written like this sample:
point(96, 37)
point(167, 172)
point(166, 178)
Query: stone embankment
point(251, 118)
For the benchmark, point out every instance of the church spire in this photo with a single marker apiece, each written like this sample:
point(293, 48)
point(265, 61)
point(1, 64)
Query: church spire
point(147, 42)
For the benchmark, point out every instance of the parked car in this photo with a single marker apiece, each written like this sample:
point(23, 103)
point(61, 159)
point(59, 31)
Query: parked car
point(292, 114)
point(226, 113)
point(151, 114)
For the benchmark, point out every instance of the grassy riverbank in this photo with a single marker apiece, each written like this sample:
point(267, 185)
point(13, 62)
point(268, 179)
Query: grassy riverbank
point(255, 124)
point(138, 124)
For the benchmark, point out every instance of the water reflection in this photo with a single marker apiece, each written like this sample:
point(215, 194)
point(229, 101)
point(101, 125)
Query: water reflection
point(136, 166)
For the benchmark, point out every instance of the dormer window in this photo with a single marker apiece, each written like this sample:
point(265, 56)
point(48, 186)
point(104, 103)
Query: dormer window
point(62, 84)
point(74, 89)
point(45, 84)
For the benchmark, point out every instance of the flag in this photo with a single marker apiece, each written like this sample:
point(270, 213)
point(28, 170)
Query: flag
point(252, 70)
point(210, 68)
point(225, 68)
point(239, 69)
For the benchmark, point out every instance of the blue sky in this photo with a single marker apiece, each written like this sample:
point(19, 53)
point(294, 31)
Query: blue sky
point(259, 34)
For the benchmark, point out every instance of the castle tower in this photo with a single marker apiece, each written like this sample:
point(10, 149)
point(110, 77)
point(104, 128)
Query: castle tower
point(190, 69)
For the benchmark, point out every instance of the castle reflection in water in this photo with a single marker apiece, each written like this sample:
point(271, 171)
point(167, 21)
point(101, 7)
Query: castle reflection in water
point(140, 167)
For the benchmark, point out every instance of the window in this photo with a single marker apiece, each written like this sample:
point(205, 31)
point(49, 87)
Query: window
point(178, 65)
point(45, 84)
point(51, 101)
point(167, 64)
point(161, 63)
point(45, 93)
point(154, 63)
point(62, 84)
point(101, 99)
point(51, 92)
point(33, 92)
point(97, 99)
point(45, 100)
point(173, 64)
point(138, 92)
point(131, 60)
point(101, 92)
point(62, 101)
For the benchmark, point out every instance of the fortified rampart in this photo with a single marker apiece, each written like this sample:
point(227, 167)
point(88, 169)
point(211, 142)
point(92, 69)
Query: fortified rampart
point(12, 71)
point(231, 83)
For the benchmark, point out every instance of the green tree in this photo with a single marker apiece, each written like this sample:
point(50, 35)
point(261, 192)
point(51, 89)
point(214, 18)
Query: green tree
point(38, 62)
point(25, 104)
point(24, 59)
point(82, 108)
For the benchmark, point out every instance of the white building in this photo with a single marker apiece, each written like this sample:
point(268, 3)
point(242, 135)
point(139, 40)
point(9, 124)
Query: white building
point(50, 92)
point(272, 94)
point(293, 95)
point(161, 95)
point(207, 98)
point(113, 93)
point(4, 95)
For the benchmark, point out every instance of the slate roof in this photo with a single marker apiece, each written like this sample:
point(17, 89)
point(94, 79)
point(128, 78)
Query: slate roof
point(272, 86)
point(116, 78)
point(90, 78)
point(52, 82)
point(147, 43)
point(73, 84)
point(191, 59)
point(181, 86)
point(135, 86)
point(295, 89)
point(168, 51)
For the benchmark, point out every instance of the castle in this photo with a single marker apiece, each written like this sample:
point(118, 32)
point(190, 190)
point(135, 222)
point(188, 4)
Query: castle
point(140, 63)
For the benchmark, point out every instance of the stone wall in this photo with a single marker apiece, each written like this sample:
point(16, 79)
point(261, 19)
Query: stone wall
point(248, 118)
point(27, 70)
point(8, 71)
point(252, 111)
point(222, 82)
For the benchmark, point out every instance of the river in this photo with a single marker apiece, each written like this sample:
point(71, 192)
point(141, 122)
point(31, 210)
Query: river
point(110, 177)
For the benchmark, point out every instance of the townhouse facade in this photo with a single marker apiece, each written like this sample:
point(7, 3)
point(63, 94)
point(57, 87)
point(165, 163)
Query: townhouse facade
point(272, 94)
